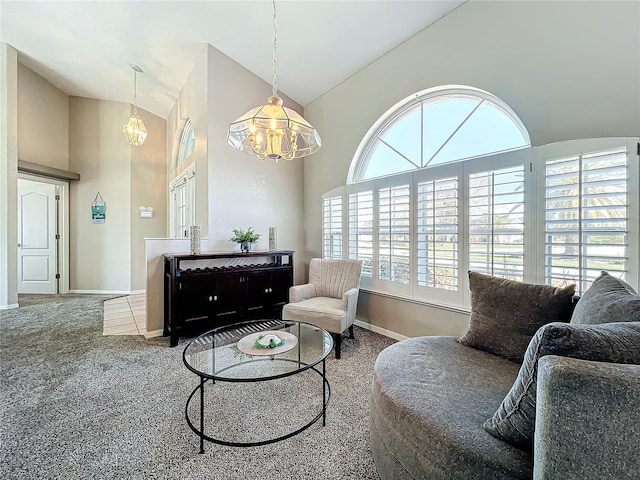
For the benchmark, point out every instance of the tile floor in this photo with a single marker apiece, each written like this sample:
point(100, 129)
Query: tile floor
point(124, 315)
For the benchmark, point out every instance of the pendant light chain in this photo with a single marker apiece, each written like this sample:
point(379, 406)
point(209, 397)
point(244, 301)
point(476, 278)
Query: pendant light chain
point(135, 92)
point(275, 52)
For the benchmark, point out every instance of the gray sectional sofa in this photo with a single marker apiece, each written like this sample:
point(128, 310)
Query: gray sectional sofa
point(568, 407)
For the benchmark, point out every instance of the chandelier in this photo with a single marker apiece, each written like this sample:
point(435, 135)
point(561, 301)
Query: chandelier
point(272, 130)
point(134, 130)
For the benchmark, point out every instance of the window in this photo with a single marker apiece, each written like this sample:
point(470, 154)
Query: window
point(553, 214)
point(586, 226)
point(187, 143)
point(394, 230)
point(437, 233)
point(361, 229)
point(496, 222)
point(438, 126)
point(332, 227)
point(182, 194)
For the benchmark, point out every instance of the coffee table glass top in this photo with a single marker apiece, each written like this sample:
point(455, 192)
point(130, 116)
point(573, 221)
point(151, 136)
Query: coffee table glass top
point(215, 354)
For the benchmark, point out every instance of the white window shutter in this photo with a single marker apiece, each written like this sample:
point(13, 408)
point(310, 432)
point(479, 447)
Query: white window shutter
point(496, 222)
point(437, 233)
point(332, 227)
point(586, 202)
point(361, 230)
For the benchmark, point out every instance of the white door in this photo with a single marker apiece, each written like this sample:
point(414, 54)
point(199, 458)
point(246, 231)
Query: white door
point(37, 245)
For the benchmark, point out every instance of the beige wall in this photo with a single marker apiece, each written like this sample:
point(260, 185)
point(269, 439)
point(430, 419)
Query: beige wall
point(244, 191)
point(148, 189)
point(110, 257)
point(240, 191)
point(43, 121)
point(8, 176)
point(568, 69)
point(100, 253)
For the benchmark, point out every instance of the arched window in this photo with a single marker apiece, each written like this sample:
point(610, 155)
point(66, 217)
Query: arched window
point(187, 143)
point(446, 182)
point(437, 126)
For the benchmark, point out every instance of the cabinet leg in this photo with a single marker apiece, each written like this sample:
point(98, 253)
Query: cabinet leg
point(173, 339)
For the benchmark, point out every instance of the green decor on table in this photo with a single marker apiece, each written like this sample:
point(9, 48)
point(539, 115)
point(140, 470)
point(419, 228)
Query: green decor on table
point(245, 238)
point(269, 341)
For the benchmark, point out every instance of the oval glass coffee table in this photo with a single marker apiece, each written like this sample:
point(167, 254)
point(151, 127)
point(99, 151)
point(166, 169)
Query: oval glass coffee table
point(229, 354)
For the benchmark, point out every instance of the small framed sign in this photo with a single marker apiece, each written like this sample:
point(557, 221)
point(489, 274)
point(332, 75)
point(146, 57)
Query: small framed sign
point(98, 209)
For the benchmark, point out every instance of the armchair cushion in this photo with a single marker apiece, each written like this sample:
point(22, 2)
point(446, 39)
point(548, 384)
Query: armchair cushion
point(333, 277)
point(324, 312)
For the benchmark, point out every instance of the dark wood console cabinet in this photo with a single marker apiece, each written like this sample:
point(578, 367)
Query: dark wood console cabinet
point(233, 287)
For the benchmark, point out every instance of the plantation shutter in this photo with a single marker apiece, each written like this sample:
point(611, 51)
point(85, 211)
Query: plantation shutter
point(496, 222)
point(586, 202)
point(394, 233)
point(332, 227)
point(361, 230)
point(437, 233)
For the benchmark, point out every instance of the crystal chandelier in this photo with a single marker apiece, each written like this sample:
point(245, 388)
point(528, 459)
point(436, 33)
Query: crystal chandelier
point(134, 130)
point(273, 131)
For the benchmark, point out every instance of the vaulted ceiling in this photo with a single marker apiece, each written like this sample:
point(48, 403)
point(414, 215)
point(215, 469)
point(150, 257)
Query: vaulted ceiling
point(85, 48)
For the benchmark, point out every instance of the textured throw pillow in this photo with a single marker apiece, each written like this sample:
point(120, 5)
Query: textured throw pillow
point(505, 314)
point(515, 419)
point(609, 299)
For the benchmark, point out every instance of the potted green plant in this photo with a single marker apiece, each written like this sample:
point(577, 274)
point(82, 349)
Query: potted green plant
point(245, 238)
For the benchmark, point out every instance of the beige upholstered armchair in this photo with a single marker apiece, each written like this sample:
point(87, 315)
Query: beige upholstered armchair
point(330, 298)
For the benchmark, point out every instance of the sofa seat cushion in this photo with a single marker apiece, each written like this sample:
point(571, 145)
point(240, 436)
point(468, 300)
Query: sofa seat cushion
point(430, 397)
point(325, 312)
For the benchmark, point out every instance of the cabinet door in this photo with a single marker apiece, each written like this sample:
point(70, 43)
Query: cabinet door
point(257, 292)
point(195, 296)
point(281, 280)
point(230, 291)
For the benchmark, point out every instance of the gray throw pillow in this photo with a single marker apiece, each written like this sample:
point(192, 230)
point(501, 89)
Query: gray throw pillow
point(608, 299)
point(515, 419)
point(505, 314)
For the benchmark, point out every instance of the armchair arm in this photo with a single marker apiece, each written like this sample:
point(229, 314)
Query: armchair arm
point(297, 293)
point(350, 304)
point(587, 420)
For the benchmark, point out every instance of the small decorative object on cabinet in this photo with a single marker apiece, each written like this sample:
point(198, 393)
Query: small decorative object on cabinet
point(195, 239)
point(245, 239)
point(273, 238)
point(235, 286)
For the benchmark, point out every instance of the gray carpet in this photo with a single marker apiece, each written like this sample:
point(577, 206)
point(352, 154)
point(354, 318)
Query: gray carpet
point(77, 405)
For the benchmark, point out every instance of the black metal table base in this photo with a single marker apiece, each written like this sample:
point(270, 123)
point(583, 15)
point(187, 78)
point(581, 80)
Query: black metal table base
point(326, 395)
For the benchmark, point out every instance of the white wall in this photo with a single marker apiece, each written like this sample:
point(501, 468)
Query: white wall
point(8, 176)
point(568, 69)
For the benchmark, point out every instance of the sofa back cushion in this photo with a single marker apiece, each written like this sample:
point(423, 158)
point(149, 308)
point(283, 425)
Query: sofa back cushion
point(608, 299)
point(505, 314)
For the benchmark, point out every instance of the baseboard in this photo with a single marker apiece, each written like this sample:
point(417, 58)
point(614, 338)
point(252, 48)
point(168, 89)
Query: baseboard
point(381, 331)
point(137, 292)
point(153, 333)
point(9, 307)
point(102, 292)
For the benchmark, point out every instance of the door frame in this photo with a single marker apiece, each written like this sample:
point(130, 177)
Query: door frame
point(62, 213)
